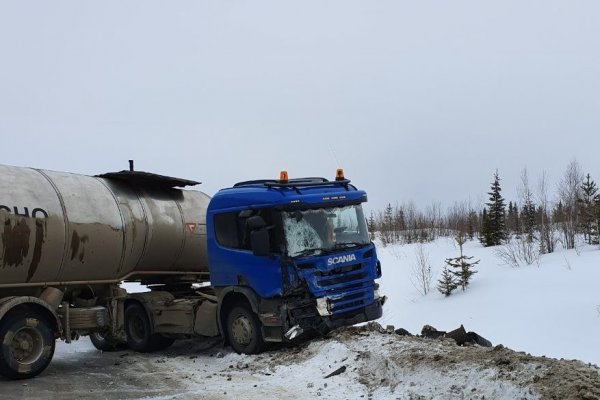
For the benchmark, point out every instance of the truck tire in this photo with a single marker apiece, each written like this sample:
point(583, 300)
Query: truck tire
point(138, 330)
point(244, 330)
point(105, 342)
point(162, 342)
point(26, 344)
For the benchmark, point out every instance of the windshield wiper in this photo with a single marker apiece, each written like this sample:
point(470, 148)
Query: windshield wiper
point(347, 245)
point(308, 252)
point(329, 250)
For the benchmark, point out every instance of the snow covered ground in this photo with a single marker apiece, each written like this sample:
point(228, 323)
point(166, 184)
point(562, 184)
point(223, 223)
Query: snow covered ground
point(357, 363)
point(549, 308)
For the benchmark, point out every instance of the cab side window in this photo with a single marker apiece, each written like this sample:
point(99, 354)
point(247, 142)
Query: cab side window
point(232, 231)
point(226, 230)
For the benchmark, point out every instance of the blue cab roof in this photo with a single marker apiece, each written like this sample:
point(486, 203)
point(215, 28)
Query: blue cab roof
point(304, 192)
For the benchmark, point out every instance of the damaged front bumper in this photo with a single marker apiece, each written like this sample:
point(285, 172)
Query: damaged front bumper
point(293, 318)
point(325, 305)
point(326, 321)
point(368, 313)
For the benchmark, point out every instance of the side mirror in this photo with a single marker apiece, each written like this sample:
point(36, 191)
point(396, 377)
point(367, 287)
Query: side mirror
point(259, 236)
point(259, 241)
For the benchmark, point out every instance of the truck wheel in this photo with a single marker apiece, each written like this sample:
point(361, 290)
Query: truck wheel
point(27, 345)
point(105, 342)
point(161, 342)
point(137, 327)
point(243, 330)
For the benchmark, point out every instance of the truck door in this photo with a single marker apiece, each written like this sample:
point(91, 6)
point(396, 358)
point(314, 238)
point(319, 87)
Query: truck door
point(232, 262)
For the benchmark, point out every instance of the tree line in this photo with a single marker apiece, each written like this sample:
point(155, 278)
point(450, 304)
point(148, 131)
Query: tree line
point(534, 223)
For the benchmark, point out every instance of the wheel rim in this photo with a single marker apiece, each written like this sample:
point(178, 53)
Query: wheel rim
point(136, 328)
point(27, 345)
point(241, 330)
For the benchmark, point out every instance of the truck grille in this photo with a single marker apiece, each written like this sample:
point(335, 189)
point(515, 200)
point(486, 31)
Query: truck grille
point(348, 287)
point(339, 278)
point(351, 300)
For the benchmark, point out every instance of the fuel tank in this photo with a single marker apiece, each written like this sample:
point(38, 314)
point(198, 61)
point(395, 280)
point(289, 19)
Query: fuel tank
point(63, 227)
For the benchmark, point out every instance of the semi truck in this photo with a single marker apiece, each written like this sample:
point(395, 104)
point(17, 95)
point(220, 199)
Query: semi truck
point(261, 262)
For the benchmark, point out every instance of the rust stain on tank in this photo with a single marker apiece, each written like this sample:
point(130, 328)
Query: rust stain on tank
point(37, 248)
point(15, 242)
point(78, 246)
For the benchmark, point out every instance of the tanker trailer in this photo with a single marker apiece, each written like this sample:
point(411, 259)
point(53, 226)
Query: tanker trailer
point(69, 240)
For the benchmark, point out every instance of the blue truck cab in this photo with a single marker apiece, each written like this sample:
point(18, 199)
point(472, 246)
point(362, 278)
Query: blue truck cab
point(290, 257)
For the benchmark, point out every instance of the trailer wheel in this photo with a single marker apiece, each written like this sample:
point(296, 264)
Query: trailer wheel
point(105, 342)
point(27, 344)
point(244, 330)
point(138, 329)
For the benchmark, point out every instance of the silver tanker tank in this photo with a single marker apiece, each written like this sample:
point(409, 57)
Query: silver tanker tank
point(62, 228)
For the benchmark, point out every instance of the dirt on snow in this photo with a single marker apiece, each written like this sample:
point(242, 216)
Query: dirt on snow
point(367, 362)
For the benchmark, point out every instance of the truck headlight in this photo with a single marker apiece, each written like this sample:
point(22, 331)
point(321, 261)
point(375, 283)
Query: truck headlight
point(378, 297)
point(323, 306)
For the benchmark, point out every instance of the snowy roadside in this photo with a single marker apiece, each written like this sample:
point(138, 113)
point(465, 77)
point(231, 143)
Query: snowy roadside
point(369, 365)
point(549, 308)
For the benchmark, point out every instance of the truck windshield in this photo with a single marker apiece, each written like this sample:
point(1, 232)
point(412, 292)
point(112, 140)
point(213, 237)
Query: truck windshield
point(324, 229)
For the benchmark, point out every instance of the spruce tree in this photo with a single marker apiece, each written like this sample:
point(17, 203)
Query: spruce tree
point(447, 284)
point(511, 224)
point(558, 214)
point(485, 236)
point(458, 270)
point(399, 224)
point(387, 235)
point(471, 224)
point(463, 269)
point(371, 226)
point(463, 266)
point(587, 209)
point(495, 232)
point(528, 220)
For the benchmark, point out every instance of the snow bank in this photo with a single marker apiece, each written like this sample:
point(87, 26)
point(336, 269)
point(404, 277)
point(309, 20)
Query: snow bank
point(549, 308)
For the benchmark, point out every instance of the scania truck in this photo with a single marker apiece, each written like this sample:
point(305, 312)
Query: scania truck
point(261, 262)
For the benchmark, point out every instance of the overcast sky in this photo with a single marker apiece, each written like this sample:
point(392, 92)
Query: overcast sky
point(417, 100)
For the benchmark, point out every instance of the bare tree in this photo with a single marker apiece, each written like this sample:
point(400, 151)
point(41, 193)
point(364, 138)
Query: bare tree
point(508, 253)
point(517, 251)
point(522, 248)
point(421, 274)
point(433, 216)
point(527, 208)
point(457, 218)
point(569, 192)
point(547, 229)
point(411, 233)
